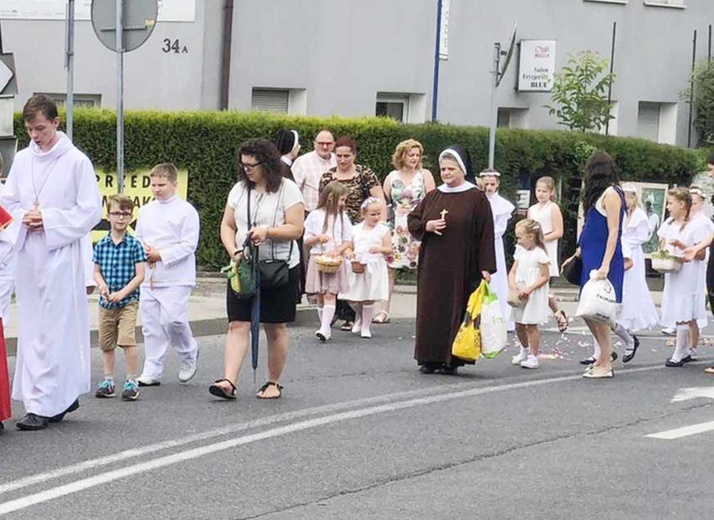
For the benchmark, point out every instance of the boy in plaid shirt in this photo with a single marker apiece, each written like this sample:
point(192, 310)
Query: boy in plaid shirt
point(119, 270)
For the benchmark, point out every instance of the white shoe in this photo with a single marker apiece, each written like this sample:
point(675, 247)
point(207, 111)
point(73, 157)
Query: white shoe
point(530, 362)
point(188, 370)
point(669, 331)
point(366, 334)
point(148, 381)
point(357, 327)
point(323, 337)
point(522, 356)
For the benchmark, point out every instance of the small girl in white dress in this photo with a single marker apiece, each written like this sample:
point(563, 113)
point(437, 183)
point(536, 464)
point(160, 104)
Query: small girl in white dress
point(372, 241)
point(681, 298)
point(547, 213)
point(529, 276)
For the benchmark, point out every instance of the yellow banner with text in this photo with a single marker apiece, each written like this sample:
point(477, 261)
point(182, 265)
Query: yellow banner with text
point(137, 186)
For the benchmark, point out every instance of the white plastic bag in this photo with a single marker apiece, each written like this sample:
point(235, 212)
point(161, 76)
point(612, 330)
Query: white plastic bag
point(494, 336)
point(598, 301)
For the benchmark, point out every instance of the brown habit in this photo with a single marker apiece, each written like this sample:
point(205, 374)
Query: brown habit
point(449, 267)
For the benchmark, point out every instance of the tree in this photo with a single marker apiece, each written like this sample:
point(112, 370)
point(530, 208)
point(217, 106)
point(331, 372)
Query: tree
point(702, 86)
point(579, 93)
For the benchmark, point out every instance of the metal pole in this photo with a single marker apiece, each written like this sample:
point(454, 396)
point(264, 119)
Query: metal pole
point(120, 92)
point(69, 64)
point(691, 90)
point(494, 105)
point(709, 52)
point(612, 69)
point(437, 61)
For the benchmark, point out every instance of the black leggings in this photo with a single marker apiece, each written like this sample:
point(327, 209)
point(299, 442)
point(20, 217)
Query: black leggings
point(710, 278)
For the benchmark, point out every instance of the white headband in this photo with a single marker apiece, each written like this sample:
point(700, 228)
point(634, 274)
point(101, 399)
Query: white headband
point(455, 155)
point(629, 188)
point(494, 173)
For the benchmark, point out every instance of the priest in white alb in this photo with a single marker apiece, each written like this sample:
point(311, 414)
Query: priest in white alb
point(52, 190)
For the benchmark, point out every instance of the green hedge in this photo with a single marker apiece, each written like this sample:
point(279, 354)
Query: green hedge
point(204, 142)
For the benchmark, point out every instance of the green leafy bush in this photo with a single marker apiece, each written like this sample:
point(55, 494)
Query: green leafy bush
point(205, 143)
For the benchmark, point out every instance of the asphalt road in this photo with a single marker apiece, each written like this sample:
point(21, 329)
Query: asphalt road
point(360, 433)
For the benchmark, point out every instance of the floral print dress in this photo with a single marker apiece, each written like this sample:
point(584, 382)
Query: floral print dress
point(405, 249)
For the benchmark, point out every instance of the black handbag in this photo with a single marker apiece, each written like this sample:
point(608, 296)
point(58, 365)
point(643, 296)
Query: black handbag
point(573, 270)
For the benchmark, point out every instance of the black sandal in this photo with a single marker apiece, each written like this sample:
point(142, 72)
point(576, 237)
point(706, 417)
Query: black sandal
point(263, 388)
point(216, 390)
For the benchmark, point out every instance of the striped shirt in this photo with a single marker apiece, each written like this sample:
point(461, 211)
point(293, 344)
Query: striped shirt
point(117, 264)
point(307, 170)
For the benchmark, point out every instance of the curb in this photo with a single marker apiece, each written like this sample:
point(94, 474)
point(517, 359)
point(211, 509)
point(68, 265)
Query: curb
point(201, 327)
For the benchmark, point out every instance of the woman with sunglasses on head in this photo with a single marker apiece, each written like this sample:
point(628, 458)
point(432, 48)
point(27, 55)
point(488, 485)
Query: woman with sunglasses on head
point(275, 222)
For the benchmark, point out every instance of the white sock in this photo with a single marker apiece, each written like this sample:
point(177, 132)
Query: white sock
point(525, 351)
point(681, 343)
point(367, 312)
point(328, 312)
point(624, 334)
point(319, 314)
point(596, 349)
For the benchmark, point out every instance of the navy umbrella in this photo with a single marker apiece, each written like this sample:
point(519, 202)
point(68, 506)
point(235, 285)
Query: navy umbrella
point(255, 316)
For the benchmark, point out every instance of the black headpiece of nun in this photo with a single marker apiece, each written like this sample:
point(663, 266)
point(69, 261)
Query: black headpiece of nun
point(286, 141)
point(463, 158)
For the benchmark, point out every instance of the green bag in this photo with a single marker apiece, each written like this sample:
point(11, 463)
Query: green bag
point(241, 274)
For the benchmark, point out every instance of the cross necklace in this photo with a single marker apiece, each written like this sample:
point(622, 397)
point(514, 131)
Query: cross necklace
point(37, 192)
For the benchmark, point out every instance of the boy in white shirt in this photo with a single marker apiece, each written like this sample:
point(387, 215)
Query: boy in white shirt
point(168, 228)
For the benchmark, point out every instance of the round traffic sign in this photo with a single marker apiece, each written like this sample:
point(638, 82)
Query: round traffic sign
point(139, 19)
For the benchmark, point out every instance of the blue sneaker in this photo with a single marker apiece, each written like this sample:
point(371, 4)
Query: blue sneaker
point(105, 389)
point(130, 392)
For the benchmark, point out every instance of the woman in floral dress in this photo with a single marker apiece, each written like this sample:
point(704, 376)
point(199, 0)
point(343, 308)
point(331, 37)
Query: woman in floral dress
point(406, 187)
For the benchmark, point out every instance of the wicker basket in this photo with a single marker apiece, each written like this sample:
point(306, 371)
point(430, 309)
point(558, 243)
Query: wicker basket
point(357, 267)
point(666, 264)
point(327, 265)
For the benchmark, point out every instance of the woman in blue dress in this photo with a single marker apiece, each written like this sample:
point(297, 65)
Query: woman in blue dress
point(600, 246)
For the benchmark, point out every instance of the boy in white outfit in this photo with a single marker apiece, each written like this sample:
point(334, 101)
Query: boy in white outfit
point(168, 228)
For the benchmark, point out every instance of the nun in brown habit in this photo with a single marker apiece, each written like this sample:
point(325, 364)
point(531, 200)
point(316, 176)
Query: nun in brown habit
point(455, 225)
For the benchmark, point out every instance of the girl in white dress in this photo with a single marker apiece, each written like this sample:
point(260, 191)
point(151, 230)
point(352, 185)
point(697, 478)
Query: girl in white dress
point(638, 310)
point(502, 210)
point(328, 232)
point(529, 276)
point(681, 301)
point(699, 219)
point(547, 213)
point(372, 242)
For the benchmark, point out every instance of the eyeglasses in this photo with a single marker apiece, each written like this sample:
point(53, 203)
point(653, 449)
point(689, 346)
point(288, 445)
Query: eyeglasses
point(120, 214)
point(249, 167)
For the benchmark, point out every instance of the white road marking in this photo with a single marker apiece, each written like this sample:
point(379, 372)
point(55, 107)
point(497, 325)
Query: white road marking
point(142, 467)
point(685, 431)
point(685, 394)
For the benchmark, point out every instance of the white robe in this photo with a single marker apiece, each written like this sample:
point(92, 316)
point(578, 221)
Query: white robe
point(8, 237)
point(638, 310)
point(53, 319)
point(172, 226)
point(502, 210)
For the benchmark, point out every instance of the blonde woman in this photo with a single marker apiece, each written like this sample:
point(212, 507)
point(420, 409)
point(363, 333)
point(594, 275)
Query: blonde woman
point(405, 187)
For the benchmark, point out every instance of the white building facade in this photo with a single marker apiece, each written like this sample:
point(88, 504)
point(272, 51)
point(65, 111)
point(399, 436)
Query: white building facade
point(368, 57)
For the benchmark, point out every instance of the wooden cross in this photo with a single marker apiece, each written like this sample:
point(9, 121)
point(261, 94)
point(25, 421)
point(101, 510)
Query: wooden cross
point(443, 213)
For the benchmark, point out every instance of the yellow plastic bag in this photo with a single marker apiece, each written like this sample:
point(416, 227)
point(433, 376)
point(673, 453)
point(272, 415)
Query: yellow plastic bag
point(467, 343)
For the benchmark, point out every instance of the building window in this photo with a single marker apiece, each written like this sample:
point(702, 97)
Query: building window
point(622, 2)
point(80, 100)
point(657, 122)
point(512, 117)
point(405, 108)
point(675, 4)
point(286, 101)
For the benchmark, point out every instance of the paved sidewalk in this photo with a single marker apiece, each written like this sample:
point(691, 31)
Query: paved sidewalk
point(207, 309)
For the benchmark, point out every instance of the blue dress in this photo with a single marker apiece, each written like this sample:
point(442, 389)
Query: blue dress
point(593, 241)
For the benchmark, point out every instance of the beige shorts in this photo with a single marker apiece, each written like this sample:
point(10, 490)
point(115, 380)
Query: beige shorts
point(117, 327)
